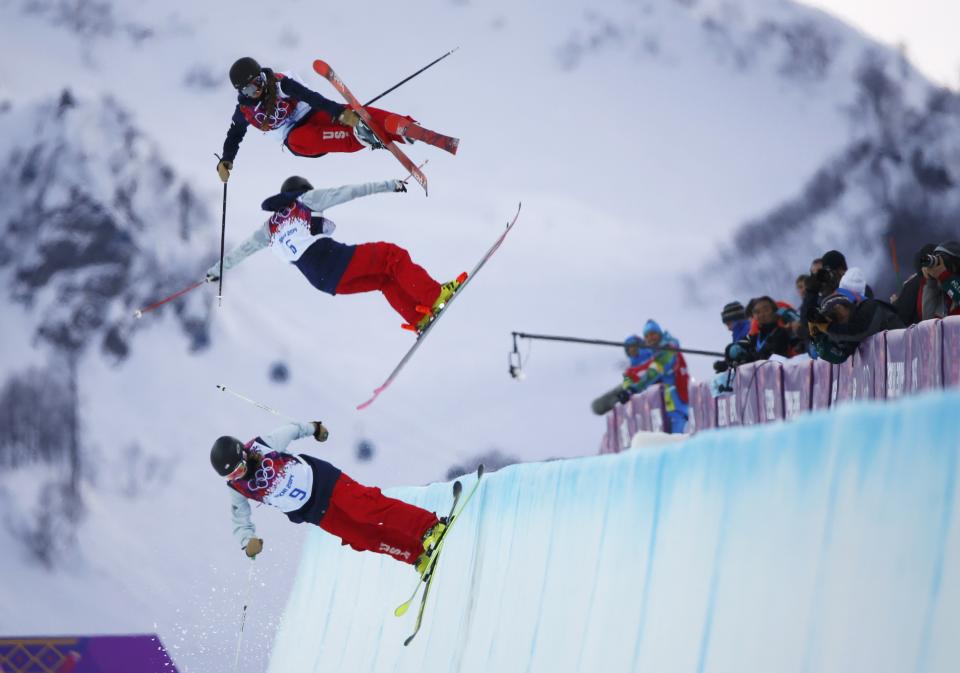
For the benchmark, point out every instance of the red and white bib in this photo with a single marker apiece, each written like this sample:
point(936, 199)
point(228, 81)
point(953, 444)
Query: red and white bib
point(282, 480)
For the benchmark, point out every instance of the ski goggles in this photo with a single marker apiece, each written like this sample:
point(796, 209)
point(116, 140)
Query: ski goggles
point(239, 470)
point(253, 86)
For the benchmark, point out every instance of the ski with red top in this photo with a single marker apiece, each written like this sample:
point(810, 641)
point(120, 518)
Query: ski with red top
point(323, 69)
point(400, 126)
point(436, 317)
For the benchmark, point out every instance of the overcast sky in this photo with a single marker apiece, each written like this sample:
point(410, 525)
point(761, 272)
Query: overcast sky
point(929, 28)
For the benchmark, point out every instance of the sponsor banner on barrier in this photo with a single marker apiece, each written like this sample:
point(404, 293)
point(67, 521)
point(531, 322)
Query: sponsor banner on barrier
point(950, 350)
point(841, 384)
point(703, 411)
point(923, 361)
point(797, 388)
point(822, 384)
point(746, 388)
point(879, 365)
point(656, 409)
point(896, 362)
point(726, 406)
point(648, 410)
point(623, 431)
point(631, 412)
point(865, 368)
point(770, 384)
point(609, 444)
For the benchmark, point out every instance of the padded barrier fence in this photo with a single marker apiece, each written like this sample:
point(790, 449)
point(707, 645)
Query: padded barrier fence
point(888, 365)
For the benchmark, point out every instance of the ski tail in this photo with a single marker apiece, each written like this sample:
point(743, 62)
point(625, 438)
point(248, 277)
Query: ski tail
point(323, 69)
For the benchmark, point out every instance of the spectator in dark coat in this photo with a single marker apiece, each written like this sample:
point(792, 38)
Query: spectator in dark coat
point(847, 321)
point(771, 336)
point(908, 300)
point(734, 316)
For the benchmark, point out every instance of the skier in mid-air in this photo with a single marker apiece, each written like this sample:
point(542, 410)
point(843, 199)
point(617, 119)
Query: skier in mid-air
point(307, 123)
point(296, 235)
point(310, 490)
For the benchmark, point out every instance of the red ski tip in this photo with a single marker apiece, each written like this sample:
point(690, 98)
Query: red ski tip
point(462, 277)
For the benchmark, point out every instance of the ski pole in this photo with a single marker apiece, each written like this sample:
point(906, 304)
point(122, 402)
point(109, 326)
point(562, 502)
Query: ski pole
point(619, 344)
point(146, 309)
point(254, 403)
point(223, 233)
point(243, 617)
point(407, 179)
point(404, 81)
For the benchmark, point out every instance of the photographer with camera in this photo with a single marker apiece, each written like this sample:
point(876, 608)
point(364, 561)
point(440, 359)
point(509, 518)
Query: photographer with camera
point(941, 292)
point(845, 320)
point(823, 281)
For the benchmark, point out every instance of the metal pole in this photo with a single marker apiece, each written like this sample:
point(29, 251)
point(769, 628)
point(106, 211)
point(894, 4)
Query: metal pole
point(404, 81)
point(146, 309)
point(223, 233)
point(619, 344)
point(243, 618)
point(224, 389)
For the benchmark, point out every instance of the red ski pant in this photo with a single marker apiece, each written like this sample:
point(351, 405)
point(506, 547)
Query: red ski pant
point(388, 268)
point(367, 520)
point(320, 134)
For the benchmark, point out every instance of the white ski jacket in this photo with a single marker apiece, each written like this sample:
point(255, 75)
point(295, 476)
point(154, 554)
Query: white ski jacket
point(277, 440)
point(289, 235)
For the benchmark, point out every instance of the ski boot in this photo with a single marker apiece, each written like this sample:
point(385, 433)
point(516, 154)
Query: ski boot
point(430, 539)
point(447, 290)
point(366, 136)
point(409, 131)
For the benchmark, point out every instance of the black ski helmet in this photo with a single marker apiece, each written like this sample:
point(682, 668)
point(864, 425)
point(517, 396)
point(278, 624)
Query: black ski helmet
point(226, 455)
point(242, 71)
point(296, 184)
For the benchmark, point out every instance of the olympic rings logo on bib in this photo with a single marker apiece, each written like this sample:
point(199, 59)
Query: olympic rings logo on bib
point(264, 476)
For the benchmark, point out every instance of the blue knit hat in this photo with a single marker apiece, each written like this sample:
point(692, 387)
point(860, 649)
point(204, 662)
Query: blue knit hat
point(651, 326)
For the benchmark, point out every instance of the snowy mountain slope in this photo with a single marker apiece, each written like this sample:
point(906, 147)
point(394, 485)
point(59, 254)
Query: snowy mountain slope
point(634, 164)
point(898, 182)
point(79, 248)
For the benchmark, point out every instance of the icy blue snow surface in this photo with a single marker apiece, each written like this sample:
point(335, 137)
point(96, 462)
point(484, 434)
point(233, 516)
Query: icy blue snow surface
point(828, 544)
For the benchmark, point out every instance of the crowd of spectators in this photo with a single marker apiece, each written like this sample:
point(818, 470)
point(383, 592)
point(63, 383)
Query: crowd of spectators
point(837, 311)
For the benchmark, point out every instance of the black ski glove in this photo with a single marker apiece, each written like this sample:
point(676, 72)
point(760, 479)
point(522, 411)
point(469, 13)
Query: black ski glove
point(320, 433)
point(401, 186)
